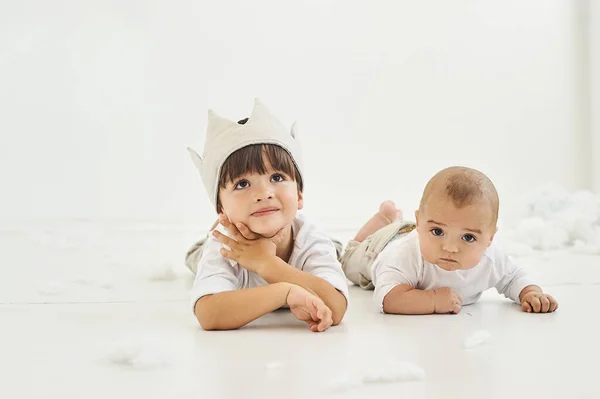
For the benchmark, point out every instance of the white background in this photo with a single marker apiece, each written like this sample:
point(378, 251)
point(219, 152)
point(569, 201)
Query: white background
point(99, 99)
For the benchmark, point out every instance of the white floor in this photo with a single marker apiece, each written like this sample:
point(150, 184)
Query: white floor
point(77, 301)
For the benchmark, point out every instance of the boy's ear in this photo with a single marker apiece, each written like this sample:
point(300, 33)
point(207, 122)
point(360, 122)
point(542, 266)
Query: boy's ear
point(417, 217)
point(300, 200)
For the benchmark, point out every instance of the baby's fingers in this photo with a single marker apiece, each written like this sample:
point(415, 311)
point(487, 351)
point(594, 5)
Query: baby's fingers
point(553, 303)
point(526, 307)
point(545, 302)
point(535, 304)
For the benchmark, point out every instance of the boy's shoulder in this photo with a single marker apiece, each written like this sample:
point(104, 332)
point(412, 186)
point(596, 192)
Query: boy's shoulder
point(307, 231)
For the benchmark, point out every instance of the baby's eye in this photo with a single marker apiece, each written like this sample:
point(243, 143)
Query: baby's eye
point(469, 238)
point(437, 232)
point(242, 184)
point(277, 177)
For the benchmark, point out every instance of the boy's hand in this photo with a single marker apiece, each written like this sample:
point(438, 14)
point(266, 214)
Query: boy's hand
point(538, 302)
point(309, 308)
point(251, 254)
point(239, 228)
point(447, 301)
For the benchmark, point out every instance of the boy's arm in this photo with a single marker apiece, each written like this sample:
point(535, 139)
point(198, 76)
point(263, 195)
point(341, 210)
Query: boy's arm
point(258, 255)
point(234, 309)
point(404, 299)
point(276, 270)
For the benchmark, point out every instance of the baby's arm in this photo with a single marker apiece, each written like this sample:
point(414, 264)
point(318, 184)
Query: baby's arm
point(397, 271)
point(516, 284)
point(404, 299)
point(534, 300)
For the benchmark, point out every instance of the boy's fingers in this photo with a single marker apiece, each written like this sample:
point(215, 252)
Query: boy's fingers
point(526, 307)
point(228, 254)
point(279, 236)
point(246, 232)
point(230, 242)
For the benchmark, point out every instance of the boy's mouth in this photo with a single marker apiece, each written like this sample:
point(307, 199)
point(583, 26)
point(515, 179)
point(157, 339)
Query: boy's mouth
point(265, 211)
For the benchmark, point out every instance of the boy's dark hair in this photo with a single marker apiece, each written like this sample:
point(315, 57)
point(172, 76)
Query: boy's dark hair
point(251, 159)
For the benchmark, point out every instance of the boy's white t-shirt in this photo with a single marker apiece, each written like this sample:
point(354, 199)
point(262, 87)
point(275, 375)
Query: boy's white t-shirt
point(401, 262)
point(313, 253)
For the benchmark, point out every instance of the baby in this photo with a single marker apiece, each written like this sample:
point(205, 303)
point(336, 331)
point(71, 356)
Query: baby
point(445, 260)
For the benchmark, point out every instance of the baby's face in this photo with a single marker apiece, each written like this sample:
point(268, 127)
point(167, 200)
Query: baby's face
point(453, 238)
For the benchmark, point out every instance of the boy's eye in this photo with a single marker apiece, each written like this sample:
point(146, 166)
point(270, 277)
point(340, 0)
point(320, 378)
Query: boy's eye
point(469, 238)
point(437, 232)
point(242, 184)
point(277, 177)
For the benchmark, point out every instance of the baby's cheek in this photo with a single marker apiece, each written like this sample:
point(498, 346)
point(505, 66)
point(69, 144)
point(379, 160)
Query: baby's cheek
point(427, 252)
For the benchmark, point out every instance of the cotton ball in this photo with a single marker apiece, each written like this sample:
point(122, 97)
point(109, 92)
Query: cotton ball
point(101, 283)
point(478, 338)
point(344, 383)
point(141, 352)
point(52, 288)
point(518, 249)
point(273, 365)
point(395, 372)
point(161, 272)
point(553, 218)
point(541, 234)
point(583, 248)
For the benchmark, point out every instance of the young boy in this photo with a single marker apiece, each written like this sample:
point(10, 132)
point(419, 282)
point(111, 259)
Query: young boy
point(447, 259)
point(263, 255)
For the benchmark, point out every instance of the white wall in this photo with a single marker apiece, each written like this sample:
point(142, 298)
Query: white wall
point(100, 98)
point(594, 54)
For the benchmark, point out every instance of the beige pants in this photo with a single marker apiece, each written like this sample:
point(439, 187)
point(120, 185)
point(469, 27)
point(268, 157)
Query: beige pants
point(194, 254)
point(359, 256)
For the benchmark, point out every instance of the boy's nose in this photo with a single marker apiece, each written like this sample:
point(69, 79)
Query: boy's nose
point(264, 197)
point(263, 192)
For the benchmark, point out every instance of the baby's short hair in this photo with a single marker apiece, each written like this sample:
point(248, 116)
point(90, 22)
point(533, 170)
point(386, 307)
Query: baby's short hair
point(464, 186)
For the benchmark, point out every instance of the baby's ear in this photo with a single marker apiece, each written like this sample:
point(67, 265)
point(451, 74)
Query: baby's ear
point(492, 237)
point(417, 217)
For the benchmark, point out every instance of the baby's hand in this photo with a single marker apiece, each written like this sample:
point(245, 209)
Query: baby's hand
point(447, 301)
point(309, 308)
point(538, 302)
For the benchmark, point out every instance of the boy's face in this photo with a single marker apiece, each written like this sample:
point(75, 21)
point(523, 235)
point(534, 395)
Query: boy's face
point(453, 238)
point(265, 203)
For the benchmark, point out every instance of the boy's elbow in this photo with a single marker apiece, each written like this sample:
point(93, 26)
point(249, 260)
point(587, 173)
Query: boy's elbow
point(337, 315)
point(206, 324)
point(205, 317)
point(337, 318)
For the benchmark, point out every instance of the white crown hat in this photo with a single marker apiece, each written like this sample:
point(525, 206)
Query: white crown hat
point(224, 137)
